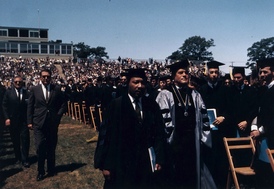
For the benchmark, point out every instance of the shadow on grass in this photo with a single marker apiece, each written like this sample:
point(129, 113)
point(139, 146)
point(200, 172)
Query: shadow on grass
point(6, 174)
point(70, 167)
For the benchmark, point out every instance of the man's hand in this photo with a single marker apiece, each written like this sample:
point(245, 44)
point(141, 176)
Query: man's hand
point(7, 122)
point(106, 174)
point(242, 125)
point(158, 167)
point(219, 120)
point(255, 134)
point(30, 126)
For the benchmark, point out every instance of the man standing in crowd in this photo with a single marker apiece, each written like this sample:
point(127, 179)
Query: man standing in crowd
point(187, 130)
point(242, 105)
point(2, 92)
point(15, 115)
point(46, 106)
point(132, 125)
point(215, 97)
point(122, 88)
point(263, 130)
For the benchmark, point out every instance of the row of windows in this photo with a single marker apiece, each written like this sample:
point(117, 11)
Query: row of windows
point(35, 48)
point(23, 33)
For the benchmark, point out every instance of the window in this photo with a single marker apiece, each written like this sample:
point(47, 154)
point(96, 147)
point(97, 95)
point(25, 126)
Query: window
point(24, 33)
point(43, 34)
point(34, 33)
point(64, 49)
point(13, 48)
point(57, 49)
point(44, 49)
point(51, 49)
point(13, 33)
point(69, 49)
point(23, 48)
point(2, 47)
point(35, 48)
point(3, 32)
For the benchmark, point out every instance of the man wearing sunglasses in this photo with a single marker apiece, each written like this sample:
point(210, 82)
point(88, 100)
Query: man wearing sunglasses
point(15, 114)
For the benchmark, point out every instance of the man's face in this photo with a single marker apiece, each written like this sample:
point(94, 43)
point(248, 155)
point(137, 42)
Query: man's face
point(181, 77)
point(18, 82)
point(238, 79)
point(136, 87)
point(213, 75)
point(168, 82)
point(45, 78)
point(162, 84)
point(266, 75)
point(153, 82)
point(123, 80)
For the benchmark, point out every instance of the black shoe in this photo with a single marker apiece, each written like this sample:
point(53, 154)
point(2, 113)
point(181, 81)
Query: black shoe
point(51, 174)
point(40, 177)
point(26, 164)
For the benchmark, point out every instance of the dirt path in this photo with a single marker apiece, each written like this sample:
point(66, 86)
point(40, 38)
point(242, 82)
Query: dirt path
point(74, 161)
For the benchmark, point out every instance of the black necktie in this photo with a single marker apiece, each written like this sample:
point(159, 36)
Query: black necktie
point(47, 94)
point(137, 109)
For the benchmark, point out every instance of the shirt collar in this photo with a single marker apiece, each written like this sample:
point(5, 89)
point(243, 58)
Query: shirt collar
point(271, 84)
point(132, 99)
point(212, 85)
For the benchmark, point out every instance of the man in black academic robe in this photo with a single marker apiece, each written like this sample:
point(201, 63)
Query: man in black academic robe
point(243, 105)
point(264, 133)
point(215, 97)
point(127, 131)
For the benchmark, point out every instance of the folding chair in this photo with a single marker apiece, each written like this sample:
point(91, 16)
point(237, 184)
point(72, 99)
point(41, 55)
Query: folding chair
point(69, 111)
point(77, 111)
point(270, 153)
point(237, 144)
point(94, 116)
point(84, 113)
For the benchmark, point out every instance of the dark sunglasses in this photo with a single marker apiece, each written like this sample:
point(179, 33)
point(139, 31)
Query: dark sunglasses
point(45, 76)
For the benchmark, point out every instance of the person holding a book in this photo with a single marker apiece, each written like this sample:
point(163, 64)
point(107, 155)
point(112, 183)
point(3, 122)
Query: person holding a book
point(215, 97)
point(188, 132)
point(131, 138)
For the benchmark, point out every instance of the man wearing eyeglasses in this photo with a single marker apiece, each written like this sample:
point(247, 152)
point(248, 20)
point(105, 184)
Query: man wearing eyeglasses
point(46, 106)
point(15, 114)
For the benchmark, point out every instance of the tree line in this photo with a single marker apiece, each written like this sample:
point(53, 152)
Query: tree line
point(193, 48)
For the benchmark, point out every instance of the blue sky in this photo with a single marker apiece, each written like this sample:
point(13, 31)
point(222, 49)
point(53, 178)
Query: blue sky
point(142, 29)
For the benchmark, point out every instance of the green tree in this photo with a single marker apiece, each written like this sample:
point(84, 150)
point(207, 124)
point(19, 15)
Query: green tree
point(99, 52)
point(81, 50)
point(194, 48)
point(260, 50)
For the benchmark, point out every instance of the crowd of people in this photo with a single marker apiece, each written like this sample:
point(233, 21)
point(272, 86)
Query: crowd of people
point(146, 105)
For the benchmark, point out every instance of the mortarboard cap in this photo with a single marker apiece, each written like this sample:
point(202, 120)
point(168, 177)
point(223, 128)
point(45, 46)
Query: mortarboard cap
point(154, 77)
point(139, 72)
point(164, 77)
point(214, 64)
point(238, 69)
point(123, 74)
point(178, 65)
point(268, 62)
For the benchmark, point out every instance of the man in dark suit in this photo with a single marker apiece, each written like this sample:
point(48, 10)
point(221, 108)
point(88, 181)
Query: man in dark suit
point(15, 115)
point(133, 123)
point(46, 106)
